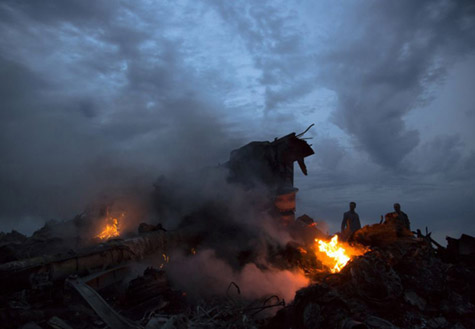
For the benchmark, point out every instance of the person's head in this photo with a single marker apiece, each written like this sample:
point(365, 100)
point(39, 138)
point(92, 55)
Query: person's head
point(397, 207)
point(352, 205)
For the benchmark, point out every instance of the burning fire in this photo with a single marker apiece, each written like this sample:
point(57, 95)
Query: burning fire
point(336, 255)
point(166, 259)
point(111, 229)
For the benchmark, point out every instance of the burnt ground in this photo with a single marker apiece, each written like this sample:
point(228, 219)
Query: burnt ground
point(403, 282)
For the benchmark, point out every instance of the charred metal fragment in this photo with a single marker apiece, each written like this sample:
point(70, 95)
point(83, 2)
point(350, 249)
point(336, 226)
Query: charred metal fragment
point(464, 246)
point(98, 258)
point(271, 164)
point(100, 306)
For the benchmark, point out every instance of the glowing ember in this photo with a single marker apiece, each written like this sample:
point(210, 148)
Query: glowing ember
point(336, 256)
point(166, 259)
point(111, 229)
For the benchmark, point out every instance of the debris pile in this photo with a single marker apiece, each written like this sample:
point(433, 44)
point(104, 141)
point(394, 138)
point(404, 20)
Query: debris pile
point(95, 288)
point(402, 283)
point(94, 272)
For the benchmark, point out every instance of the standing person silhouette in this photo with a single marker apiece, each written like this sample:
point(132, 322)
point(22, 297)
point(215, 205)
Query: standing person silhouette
point(350, 223)
point(400, 216)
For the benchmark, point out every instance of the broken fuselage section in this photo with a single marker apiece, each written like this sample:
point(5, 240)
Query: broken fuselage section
point(271, 165)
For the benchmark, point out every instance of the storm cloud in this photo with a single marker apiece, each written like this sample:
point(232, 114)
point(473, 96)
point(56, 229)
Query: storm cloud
point(101, 96)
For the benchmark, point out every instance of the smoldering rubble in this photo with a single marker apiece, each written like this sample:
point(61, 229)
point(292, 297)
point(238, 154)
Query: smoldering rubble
point(221, 248)
point(403, 282)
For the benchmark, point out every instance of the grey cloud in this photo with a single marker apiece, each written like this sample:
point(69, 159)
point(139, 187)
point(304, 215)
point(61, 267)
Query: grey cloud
point(380, 59)
point(99, 94)
point(381, 67)
point(99, 117)
point(273, 36)
point(330, 153)
point(54, 11)
point(440, 155)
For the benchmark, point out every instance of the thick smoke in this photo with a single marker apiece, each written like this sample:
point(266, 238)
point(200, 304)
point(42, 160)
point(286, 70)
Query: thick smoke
point(90, 112)
point(235, 238)
point(212, 275)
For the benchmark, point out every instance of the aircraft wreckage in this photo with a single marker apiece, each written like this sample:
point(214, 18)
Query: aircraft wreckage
point(82, 273)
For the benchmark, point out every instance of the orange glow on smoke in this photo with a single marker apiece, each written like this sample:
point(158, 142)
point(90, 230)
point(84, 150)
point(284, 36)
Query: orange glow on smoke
point(335, 254)
point(110, 230)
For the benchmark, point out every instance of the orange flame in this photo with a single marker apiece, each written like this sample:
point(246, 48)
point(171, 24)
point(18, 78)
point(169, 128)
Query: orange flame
point(111, 230)
point(336, 255)
point(166, 259)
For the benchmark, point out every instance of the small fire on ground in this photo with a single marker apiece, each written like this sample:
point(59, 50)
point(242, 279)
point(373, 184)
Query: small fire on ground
point(110, 230)
point(334, 254)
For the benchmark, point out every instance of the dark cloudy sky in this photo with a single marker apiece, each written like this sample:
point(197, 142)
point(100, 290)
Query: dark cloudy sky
point(98, 94)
